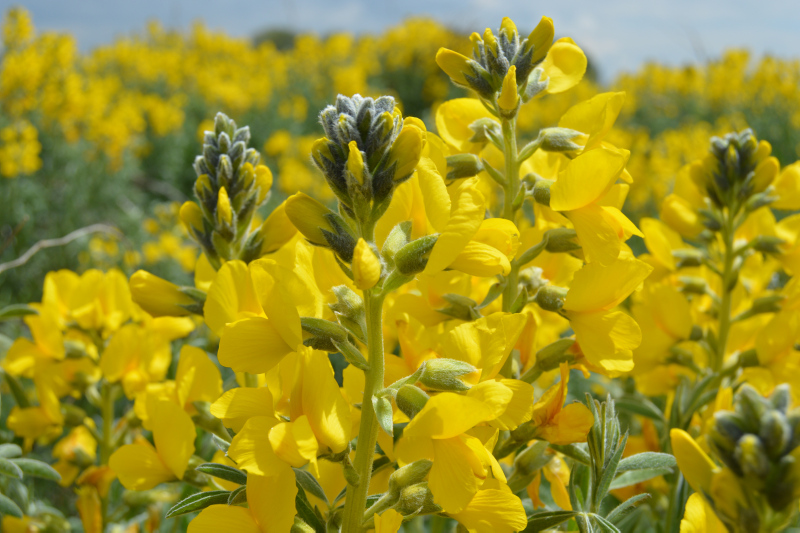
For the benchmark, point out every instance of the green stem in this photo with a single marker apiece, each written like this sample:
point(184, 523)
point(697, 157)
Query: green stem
point(510, 194)
point(725, 305)
point(356, 498)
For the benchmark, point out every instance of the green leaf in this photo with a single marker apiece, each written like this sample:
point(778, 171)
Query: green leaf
point(644, 460)
point(238, 496)
point(309, 484)
point(383, 411)
point(9, 507)
point(198, 502)
point(17, 311)
point(36, 468)
point(637, 476)
point(626, 508)
point(10, 450)
point(10, 469)
point(307, 514)
point(641, 406)
point(604, 525)
point(548, 519)
point(228, 473)
point(573, 451)
point(609, 472)
point(16, 389)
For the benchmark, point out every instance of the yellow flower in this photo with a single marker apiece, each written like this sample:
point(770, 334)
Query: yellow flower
point(141, 466)
point(453, 120)
point(607, 338)
point(697, 467)
point(509, 98)
point(158, 296)
point(559, 424)
point(309, 217)
point(699, 517)
point(564, 65)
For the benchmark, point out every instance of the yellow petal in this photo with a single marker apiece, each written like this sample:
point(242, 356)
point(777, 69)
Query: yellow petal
point(570, 425)
point(541, 39)
point(501, 234)
point(454, 65)
point(216, 518)
point(294, 442)
point(598, 287)
point(205, 384)
point(587, 178)
point(158, 296)
point(230, 297)
point(139, 467)
point(250, 448)
point(277, 230)
point(467, 213)
point(327, 411)
point(787, 188)
point(174, 435)
point(607, 339)
point(453, 119)
point(509, 98)
point(434, 194)
point(482, 260)
point(447, 415)
point(485, 343)
point(594, 117)
point(271, 499)
point(388, 522)
point(252, 345)
point(452, 479)
point(520, 406)
point(697, 467)
point(564, 64)
point(493, 511)
point(308, 216)
point(597, 234)
point(699, 517)
point(238, 405)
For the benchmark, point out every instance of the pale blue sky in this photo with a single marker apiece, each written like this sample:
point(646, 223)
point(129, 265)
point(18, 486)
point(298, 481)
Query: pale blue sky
point(618, 34)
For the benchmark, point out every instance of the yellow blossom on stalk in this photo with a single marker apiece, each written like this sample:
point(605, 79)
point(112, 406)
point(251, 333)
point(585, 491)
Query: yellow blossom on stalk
point(158, 296)
point(564, 65)
point(142, 466)
point(699, 517)
point(594, 118)
point(557, 423)
point(366, 266)
point(607, 338)
point(580, 193)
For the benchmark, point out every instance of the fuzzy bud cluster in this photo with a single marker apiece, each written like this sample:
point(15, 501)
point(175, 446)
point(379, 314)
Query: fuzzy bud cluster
point(231, 184)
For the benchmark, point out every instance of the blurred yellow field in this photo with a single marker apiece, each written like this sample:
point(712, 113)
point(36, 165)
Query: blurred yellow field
point(414, 280)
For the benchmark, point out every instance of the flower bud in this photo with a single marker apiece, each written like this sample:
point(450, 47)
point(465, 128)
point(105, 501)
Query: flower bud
point(412, 258)
point(508, 28)
point(560, 240)
point(509, 98)
point(775, 434)
point(410, 474)
point(309, 217)
point(480, 259)
point(551, 298)
point(349, 310)
point(540, 39)
point(224, 212)
point(158, 296)
point(321, 153)
point(463, 166)
point(541, 191)
point(301, 527)
point(694, 285)
point(411, 399)
point(192, 217)
point(445, 374)
point(454, 65)
point(355, 162)
point(751, 456)
point(263, 182)
point(406, 151)
point(417, 499)
point(559, 140)
point(366, 266)
point(767, 244)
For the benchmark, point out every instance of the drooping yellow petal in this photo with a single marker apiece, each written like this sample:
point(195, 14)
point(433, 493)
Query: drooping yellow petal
point(699, 517)
point(327, 411)
point(564, 64)
point(158, 296)
point(271, 499)
point(455, 475)
point(501, 234)
point(434, 194)
point(598, 287)
point(447, 415)
point(277, 230)
point(481, 260)
point(467, 212)
point(453, 119)
point(493, 511)
point(607, 339)
point(587, 178)
point(485, 343)
point(454, 65)
point(697, 467)
point(139, 467)
point(230, 297)
point(250, 447)
point(252, 345)
point(597, 235)
point(204, 384)
point(520, 406)
point(294, 442)
point(216, 518)
point(594, 117)
point(308, 216)
point(388, 522)
point(238, 405)
point(174, 435)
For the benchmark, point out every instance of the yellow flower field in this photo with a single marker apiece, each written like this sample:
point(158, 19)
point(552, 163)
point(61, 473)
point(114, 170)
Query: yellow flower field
point(409, 281)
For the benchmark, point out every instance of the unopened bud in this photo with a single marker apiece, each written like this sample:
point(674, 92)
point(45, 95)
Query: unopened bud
point(309, 216)
point(410, 474)
point(694, 285)
point(463, 166)
point(552, 355)
point(767, 244)
point(445, 374)
point(559, 140)
point(541, 191)
point(688, 257)
point(355, 162)
point(412, 258)
point(224, 212)
point(751, 456)
point(411, 399)
point(767, 304)
point(417, 499)
point(508, 101)
point(406, 151)
point(775, 433)
point(551, 298)
point(560, 240)
point(532, 458)
point(158, 296)
point(781, 398)
point(485, 130)
point(301, 527)
point(349, 309)
point(461, 307)
point(366, 266)
point(192, 217)
point(319, 327)
point(396, 239)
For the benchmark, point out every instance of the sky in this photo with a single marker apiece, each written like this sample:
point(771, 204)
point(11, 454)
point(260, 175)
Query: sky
point(618, 35)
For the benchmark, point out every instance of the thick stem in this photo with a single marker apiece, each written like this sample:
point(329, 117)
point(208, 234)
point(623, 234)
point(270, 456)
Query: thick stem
point(725, 305)
point(368, 430)
point(510, 194)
